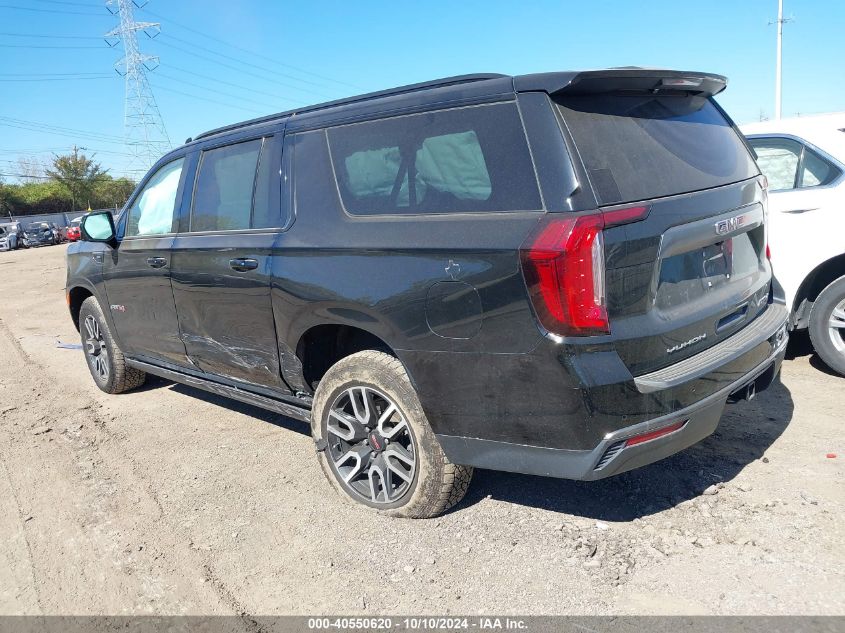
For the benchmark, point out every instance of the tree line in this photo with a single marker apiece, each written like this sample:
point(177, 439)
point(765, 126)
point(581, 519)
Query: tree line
point(71, 182)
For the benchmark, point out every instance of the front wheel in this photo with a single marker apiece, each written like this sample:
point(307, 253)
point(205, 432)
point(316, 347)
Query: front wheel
point(105, 360)
point(375, 444)
point(827, 325)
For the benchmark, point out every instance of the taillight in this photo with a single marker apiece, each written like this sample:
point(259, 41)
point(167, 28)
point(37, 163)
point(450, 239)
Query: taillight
point(564, 270)
point(563, 267)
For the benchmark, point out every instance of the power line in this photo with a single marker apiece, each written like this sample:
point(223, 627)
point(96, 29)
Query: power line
point(56, 133)
point(60, 11)
point(221, 92)
point(49, 127)
point(65, 134)
point(251, 89)
point(58, 150)
point(246, 50)
point(73, 4)
point(49, 74)
point(51, 36)
point(245, 63)
point(42, 46)
point(239, 70)
point(199, 98)
point(59, 79)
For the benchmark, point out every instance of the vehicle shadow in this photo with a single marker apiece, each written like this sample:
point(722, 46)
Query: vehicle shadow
point(276, 419)
point(746, 431)
point(800, 345)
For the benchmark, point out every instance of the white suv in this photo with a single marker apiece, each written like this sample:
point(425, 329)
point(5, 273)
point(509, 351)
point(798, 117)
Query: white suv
point(804, 161)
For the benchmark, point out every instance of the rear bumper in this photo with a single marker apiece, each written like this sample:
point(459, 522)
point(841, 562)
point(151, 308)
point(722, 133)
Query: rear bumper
point(612, 455)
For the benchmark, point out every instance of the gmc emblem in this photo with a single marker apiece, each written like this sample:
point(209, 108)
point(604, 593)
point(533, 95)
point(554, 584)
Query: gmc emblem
point(731, 224)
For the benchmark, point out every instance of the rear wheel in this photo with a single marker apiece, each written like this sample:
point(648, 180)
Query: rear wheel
point(827, 325)
point(105, 360)
point(377, 446)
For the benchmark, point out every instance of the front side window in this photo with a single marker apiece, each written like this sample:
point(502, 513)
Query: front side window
point(223, 195)
point(473, 159)
point(152, 211)
point(789, 164)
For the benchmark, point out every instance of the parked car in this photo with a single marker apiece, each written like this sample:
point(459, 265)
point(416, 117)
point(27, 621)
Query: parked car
point(804, 161)
point(562, 274)
point(14, 234)
point(38, 234)
point(58, 235)
point(73, 230)
point(8, 239)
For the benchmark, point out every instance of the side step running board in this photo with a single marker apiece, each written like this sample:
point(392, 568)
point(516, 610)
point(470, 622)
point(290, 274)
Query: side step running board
point(271, 404)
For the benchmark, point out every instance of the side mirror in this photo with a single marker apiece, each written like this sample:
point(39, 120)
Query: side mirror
point(99, 227)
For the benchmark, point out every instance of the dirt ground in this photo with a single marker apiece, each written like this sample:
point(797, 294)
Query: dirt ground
point(169, 500)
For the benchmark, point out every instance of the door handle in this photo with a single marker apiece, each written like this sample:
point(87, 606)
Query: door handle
point(242, 265)
point(156, 262)
point(98, 258)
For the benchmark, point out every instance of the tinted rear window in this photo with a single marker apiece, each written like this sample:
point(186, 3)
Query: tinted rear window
point(473, 159)
point(637, 147)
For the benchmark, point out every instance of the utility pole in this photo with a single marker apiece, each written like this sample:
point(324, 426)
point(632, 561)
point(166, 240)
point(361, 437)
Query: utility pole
point(778, 72)
point(145, 136)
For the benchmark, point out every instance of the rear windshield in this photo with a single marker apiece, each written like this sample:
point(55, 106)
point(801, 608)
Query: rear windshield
point(637, 147)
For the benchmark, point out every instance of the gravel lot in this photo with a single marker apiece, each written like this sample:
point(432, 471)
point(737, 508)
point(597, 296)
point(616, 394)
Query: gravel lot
point(170, 500)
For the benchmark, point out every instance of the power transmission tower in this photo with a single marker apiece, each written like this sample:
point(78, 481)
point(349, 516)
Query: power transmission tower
point(145, 136)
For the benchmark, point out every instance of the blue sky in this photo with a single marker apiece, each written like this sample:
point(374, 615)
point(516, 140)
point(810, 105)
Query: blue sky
point(223, 62)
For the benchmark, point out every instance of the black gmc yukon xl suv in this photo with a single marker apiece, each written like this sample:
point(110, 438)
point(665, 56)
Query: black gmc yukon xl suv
point(563, 274)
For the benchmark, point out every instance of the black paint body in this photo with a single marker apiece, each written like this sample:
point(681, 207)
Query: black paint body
point(445, 293)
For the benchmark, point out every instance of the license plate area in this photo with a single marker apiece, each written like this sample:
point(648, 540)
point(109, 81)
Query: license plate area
point(703, 271)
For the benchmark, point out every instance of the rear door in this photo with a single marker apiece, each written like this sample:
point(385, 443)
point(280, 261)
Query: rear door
point(694, 271)
point(221, 262)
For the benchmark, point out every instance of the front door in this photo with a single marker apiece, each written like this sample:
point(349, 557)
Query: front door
point(221, 263)
point(137, 272)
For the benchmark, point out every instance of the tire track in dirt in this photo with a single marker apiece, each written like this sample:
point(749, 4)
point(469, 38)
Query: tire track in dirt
point(8, 343)
point(101, 479)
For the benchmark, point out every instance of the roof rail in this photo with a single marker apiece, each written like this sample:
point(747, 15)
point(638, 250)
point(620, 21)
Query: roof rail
point(425, 85)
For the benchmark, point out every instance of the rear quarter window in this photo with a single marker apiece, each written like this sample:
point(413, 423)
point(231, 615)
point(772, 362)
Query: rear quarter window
point(637, 147)
point(472, 159)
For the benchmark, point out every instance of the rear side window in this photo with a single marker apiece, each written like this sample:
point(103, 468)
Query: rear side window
point(637, 147)
point(789, 164)
point(778, 160)
point(223, 197)
point(473, 159)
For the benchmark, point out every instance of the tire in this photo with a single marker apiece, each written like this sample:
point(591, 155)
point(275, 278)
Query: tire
point(105, 360)
point(377, 382)
point(827, 325)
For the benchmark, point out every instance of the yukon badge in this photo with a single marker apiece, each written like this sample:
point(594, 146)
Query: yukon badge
point(685, 344)
point(731, 224)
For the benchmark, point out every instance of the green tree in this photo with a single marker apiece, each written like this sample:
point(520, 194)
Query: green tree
point(112, 193)
point(78, 174)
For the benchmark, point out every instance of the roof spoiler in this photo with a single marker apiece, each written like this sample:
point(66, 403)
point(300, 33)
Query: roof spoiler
point(623, 80)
